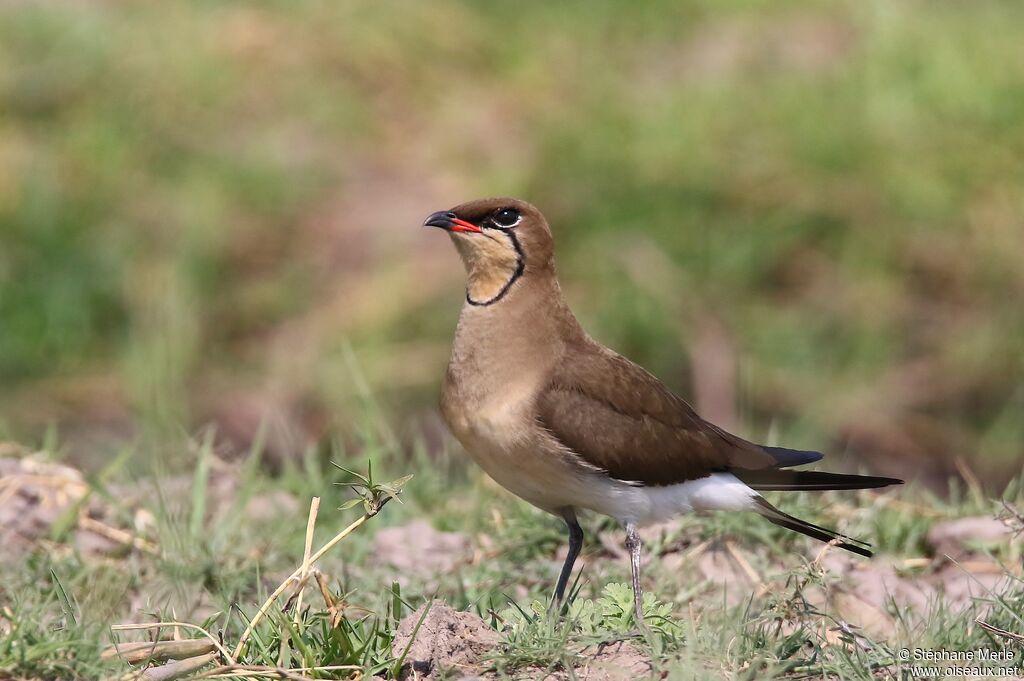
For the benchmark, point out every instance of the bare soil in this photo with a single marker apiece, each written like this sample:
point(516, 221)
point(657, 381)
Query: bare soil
point(445, 642)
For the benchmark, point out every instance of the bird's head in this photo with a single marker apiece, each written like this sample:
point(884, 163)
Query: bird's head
point(500, 240)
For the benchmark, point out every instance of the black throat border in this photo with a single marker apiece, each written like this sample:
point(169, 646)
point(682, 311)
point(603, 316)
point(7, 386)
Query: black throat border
point(520, 268)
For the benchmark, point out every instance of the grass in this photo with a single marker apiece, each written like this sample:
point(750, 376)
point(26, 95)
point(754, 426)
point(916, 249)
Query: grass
point(202, 200)
point(60, 607)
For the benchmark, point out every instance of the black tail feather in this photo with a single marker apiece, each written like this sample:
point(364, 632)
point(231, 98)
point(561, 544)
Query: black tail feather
point(781, 519)
point(783, 480)
point(786, 457)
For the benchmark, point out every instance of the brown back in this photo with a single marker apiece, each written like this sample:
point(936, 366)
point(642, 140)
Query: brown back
point(620, 418)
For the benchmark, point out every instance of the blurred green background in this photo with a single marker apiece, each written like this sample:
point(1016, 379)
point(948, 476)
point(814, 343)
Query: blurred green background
point(807, 217)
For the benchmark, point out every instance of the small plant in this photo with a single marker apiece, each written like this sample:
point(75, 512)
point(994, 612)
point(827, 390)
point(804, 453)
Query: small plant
point(539, 637)
point(371, 495)
point(612, 613)
point(294, 640)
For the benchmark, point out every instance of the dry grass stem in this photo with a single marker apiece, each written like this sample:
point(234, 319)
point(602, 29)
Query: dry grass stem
point(158, 651)
point(314, 509)
point(335, 608)
point(973, 484)
point(116, 535)
point(1019, 638)
point(161, 625)
point(172, 670)
point(696, 550)
point(747, 568)
point(260, 672)
point(916, 562)
point(296, 575)
point(1013, 518)
point(824, 551)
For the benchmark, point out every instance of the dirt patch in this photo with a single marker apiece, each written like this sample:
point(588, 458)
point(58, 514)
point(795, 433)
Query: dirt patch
point(447, 641)
point(273, 504)
point(618, 661)
point(417, 549)
point(42, 501)
point(47, 504)
point(968, 581)
point(720, 569)
point(452, 644)
point(957, 538)
point(877, 581)
point(866, 593)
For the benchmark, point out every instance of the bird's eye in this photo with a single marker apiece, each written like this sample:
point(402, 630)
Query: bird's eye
point(506, 217)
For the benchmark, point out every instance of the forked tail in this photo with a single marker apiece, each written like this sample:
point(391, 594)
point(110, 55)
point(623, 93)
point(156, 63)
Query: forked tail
point(788, 480)
point(781, 519)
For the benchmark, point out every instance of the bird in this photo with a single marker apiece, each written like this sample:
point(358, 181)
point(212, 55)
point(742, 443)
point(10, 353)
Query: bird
point(570, 425)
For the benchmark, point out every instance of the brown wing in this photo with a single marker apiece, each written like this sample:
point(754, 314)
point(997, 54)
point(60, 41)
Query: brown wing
point(620, 418)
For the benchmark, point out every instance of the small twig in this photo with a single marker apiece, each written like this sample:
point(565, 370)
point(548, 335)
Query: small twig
point(325, 590)
point(116, 535)
point(612, 547)
point(257, 671)
point(1019, 638)
point(335, 608)
point(235, 671)
point(158, 651)
point(825, 549)
point(176, 670)
point(751, 573)
point(494, 613)
point(160, 625)
point(1013, 519)
point(973, 484)
point(7, 489)
point(696, 550)
point(916, 562)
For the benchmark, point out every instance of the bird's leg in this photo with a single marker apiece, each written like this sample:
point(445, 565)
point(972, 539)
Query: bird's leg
point(633, 545)
point(575, 544)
